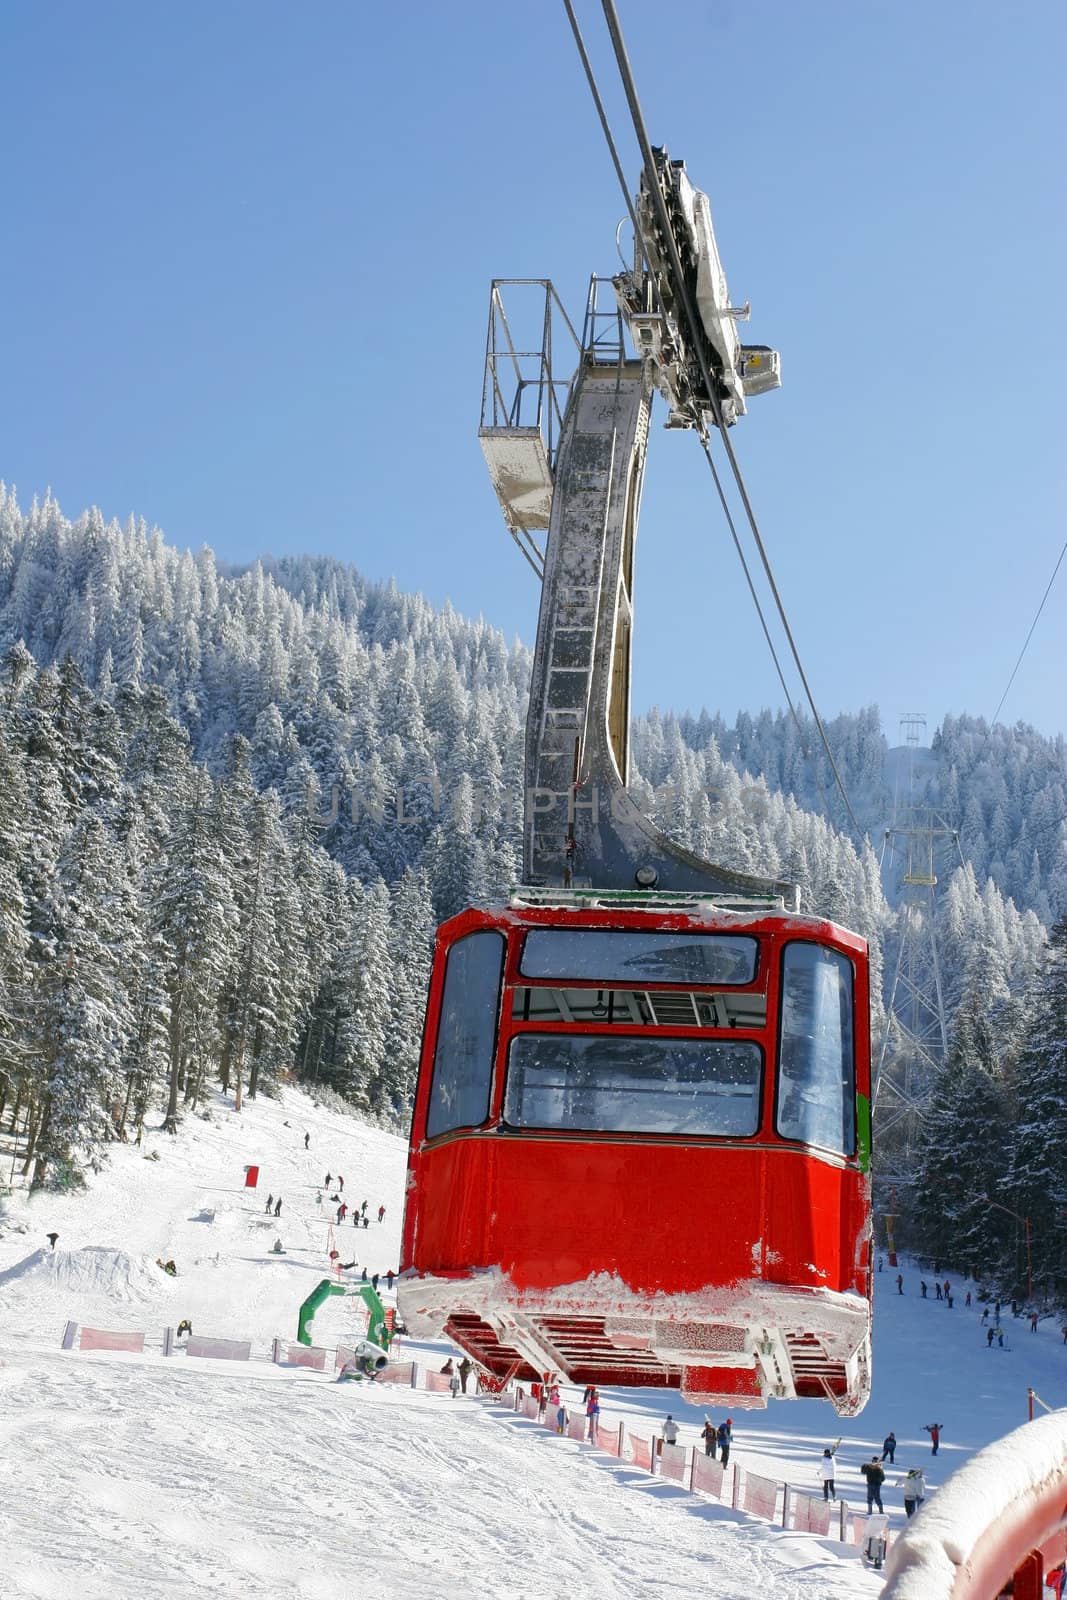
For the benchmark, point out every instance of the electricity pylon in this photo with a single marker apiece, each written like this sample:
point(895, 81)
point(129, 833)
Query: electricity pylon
point(915, 1037)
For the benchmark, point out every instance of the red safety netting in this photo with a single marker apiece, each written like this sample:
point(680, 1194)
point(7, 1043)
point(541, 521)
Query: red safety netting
point(759, 1495)
point(576, 1427)
point(641, 1452)
point(219, 1349)
point(708, 1476)
point(438, 1382)
point(305, 1355)
point(397, 1372)
point(608, 1440)
point(104, 1339)
point(529, 1407)
point(808, 1515)
point(672, 1462)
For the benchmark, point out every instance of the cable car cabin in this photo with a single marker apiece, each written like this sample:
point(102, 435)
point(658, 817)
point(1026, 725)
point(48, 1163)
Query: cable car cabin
point(640, 1146)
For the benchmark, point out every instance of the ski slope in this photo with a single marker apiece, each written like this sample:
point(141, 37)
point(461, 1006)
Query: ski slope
point(142, 1476)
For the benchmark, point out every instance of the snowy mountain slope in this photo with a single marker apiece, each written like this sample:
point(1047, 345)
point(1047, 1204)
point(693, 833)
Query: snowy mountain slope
point(144, 1476)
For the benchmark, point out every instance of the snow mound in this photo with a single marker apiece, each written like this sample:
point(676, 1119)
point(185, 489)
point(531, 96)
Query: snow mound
point(94, 1269)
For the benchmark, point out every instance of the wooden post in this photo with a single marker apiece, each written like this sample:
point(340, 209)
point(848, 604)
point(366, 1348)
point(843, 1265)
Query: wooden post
point(70, 1333)
point(786, 1492)
point(622, 1440)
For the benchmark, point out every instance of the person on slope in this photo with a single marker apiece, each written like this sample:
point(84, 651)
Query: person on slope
point(592, 1411)
point(914, 1486)
point(900, 1283)
point(453, 1384)
point(670, 1431)
point(889, 1447)
point(875, 1475)
point(726, 1439)
point(934, 1430)
point(278, 1206)
point(381, 1213)
point(307, 1141)
point(710, 1435)
point(828, 1474)
point(270, 1203)
point(466, 1366)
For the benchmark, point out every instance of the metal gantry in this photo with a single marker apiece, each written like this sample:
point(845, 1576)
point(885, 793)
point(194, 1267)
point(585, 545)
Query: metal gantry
point(915, 1037)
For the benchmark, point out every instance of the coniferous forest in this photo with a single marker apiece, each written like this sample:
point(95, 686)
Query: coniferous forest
point(234, 805)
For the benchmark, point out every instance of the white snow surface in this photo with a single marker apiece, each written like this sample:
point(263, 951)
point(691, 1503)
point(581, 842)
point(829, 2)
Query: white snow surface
point(130, 1476)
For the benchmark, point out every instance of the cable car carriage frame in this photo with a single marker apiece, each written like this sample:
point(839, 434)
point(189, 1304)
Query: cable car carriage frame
point(641, 1135)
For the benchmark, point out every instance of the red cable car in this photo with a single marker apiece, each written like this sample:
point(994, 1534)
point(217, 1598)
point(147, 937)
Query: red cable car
point(640, 1145)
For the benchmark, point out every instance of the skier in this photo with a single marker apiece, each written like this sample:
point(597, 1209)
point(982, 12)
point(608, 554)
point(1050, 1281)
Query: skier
point(52, 1237)
point(967, 1299)
point(269, 1204)
point(989, 1338)
point(363, 1208)
point(389, 1276)
point(329, 1180)
point(447, 1368)
point(709, 1434)
point(937, 1291)
point(948, 1288)
point(670, 1431)
point(889, 1448)
point(453, 1385)
point(900, 1283)
point(934, 1430)
point(1000, 1338)
point(278, 1206)
point(725, 1441)
point(318, 1198)
point(185, 1326)
point(828, 1472)
point(592, 1411)
point(466, 1366)
point(381, 1213)
point(922, 1287)
point(1033, 1322)
point(873, 1472)
point(307, 1141)
point(374, 1286)
point(342, 1212)
point(985, 1319)
point(914, 1485)
point(340, 1183)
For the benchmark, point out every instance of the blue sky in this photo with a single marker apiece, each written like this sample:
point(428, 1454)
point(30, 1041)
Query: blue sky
point(244, 287)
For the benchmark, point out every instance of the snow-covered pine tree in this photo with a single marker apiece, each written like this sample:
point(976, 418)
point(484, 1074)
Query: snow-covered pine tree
point(1035, 1171)
point(961, 1157)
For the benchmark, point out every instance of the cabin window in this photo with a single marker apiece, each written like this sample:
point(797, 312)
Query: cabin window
point(590, 1083)
point(466, 1033)
point(816, 1055)
point(628, 955)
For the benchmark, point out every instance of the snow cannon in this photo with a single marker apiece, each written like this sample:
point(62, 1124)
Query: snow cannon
point(371, 1355)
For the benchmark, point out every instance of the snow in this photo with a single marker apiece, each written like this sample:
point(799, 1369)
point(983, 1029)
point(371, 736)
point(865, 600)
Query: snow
point(146, 1475)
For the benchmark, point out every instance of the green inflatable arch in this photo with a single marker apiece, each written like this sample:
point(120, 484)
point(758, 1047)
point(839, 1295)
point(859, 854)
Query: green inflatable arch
point(378, 1331)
